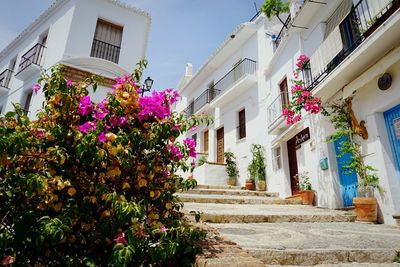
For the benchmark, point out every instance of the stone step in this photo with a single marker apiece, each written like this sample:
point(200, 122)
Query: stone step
point(353, 264)
point(256, 213)
point(233, 192)
point(308, 244)
point(205, 186)
point(237, 199)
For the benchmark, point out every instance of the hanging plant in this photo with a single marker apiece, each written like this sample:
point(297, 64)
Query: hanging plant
point(302, 98)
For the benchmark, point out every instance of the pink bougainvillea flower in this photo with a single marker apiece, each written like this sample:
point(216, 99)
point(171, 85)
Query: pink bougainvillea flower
point(122, 121)
point(85, 105)
point(191, 144)
point(175, 153)
point(163, 229)
point(177, 127)
point(87, 126)
point(69, 83)
point(36, 88)
point(7, 260)
point(102, 137)
point(120, 238)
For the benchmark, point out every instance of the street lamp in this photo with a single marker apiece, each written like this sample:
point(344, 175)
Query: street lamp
point(148, 83)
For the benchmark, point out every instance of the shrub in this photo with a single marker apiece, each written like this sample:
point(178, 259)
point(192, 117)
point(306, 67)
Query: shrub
point(231, 166)
point(93, 184)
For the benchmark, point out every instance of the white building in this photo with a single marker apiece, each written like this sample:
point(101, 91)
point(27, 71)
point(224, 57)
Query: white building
point(351, 43)
point(229, 88)
point(103, 37)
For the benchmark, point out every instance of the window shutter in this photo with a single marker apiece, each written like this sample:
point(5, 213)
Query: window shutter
point(108, 33)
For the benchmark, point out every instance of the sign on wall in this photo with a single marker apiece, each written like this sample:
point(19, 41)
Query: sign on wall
point(302, 136)
point(396, 127)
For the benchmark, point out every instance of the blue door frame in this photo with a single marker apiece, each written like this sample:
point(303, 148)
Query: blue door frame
point(348, 180)
point(392, 120)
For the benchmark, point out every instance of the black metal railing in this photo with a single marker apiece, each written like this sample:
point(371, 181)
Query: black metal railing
point(255, 16)
point(282, 33)
point(205, 98)
point(105, 51)
point(244, 67)
point(277, 106)
point(364, 23)
point(5, 78)
point(33, 56)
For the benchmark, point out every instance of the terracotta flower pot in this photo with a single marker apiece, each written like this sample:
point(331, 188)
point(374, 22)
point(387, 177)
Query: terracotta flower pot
point(261, 185)
point(231, 181)
point(249, 184)
point(366, 209)
point(307, 197)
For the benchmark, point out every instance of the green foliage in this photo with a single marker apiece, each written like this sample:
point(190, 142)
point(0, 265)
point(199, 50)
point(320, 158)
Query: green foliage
point(70, 196)
point(231, 166)
point(304, 181)
point(257, 166)
point(274, 8)
point(201, 160)
point(340, 116)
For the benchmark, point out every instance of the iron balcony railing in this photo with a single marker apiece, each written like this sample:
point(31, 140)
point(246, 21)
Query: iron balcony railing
point(33, 56)
point(205, 98)
point(282, 32)
point(364, 23)
point(244, 67)
point(5, 78)
point(277, 106)
point(105, 51)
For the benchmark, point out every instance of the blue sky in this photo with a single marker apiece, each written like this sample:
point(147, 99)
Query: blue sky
point(182, 30)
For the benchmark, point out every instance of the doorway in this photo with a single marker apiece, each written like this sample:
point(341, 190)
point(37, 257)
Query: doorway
point(220, 145)
point(348, 180)
point(392, 120)
point(293, 170)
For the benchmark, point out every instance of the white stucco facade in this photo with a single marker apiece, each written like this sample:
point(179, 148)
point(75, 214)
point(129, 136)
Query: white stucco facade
point(344, 58)
point(64, 34)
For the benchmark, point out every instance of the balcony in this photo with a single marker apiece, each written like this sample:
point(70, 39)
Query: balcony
point(235, 82)
point(275, 117)
point(105, 51)
point(31, 62)
point(5, 78)
point(363, 23)
point(200, 103)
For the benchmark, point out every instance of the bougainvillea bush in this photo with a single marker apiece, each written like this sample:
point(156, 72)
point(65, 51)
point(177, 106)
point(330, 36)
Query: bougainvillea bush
point(91, 184)
point(302, 97)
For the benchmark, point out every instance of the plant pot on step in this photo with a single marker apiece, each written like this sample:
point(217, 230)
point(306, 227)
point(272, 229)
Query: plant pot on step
point(231, 181)
point(249, 184)
point(261, 185)
point(366, 209)
point(307, 197)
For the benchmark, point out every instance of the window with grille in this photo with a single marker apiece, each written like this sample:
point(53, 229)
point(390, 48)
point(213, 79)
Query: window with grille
point(242, 124)
point(283, 87)
point(205, 148)
point(107, 41)
point(27, 104)
point(194, 137)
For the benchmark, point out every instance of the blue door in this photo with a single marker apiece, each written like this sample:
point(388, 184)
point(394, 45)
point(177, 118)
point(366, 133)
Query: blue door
point(348, 180)
point(392, 120)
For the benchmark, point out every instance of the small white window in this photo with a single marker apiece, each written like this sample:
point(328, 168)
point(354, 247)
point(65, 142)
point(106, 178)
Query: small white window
point(276, 159)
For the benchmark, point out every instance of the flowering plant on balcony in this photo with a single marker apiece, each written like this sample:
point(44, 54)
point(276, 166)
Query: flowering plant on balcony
point(93, 184)
point(302, 98)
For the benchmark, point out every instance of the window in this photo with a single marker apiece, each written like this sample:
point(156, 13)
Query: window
point(242, 124)
point(276, 158)
point(283, 88)
point(107, 41)
point(211, 92)
point(205, 147)
point(27, 104)
point(194, 137)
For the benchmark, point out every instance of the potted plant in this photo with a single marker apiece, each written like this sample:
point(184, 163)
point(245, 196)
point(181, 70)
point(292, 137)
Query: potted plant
point(231, 168)
point(257, 166)
point(346, 125)
point(306, 192)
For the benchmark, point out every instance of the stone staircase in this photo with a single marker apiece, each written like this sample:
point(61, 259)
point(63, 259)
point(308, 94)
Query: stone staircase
point(280, 231)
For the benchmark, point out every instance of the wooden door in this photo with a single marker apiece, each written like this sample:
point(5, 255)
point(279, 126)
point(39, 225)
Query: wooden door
point(220, 145)
point(205, 148)
point(293, 170)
